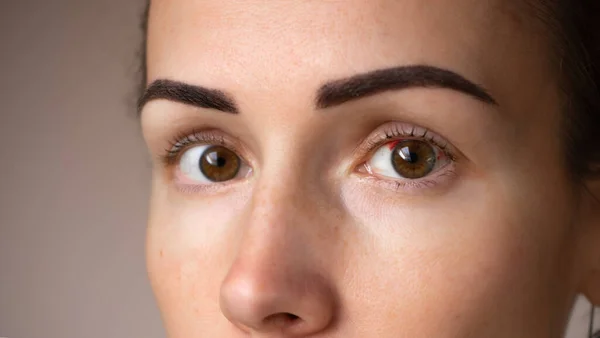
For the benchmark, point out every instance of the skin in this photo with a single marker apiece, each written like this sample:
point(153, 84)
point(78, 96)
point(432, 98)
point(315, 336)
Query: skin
point(308, 244)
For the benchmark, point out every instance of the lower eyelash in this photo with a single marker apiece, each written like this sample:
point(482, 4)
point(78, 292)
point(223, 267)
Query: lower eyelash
point(201, 188)
point(416, 185)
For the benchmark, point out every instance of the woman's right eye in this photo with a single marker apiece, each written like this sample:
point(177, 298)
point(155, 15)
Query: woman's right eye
point(205, 164)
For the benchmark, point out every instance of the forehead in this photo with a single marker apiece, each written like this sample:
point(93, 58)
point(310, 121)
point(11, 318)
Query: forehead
point(264, 43)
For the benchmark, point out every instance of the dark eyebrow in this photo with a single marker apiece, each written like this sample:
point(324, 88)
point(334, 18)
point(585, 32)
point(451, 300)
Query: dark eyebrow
point(359, 86)
point(188, 94)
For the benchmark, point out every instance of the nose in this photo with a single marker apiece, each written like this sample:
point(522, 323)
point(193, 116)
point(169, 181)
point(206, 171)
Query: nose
point(275, 286)
point(274, 302)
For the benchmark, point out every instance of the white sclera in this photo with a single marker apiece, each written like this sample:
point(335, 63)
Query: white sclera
point(189, 164)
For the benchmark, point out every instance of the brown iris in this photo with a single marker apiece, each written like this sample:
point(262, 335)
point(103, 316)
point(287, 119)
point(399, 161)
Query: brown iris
point(413, 159)
point(219, 164)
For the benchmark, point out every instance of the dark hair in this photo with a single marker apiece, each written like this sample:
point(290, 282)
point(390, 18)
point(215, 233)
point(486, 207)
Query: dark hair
point(143, 67)
point(575, 28)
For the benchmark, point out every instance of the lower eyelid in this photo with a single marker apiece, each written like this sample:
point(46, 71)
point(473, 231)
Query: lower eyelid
point(205, 189)
point(442, 178)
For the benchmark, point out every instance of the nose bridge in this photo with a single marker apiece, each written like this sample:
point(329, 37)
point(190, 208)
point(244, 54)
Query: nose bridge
point(288, 184)
point(280, 223)
point(279, 201)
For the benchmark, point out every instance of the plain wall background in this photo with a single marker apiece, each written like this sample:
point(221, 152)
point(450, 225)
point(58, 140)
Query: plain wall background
point(74, 174)
point(74, 179)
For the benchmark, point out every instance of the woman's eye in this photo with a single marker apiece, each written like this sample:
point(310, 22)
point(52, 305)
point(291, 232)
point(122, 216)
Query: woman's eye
point(407, 159)
point(211, 164)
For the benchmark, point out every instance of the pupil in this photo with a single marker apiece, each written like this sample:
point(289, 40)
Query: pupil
point(408, 156)
point(215, 160)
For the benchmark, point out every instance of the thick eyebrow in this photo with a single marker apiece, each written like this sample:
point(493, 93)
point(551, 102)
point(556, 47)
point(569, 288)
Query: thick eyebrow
point(188, 94)
point(359, 86)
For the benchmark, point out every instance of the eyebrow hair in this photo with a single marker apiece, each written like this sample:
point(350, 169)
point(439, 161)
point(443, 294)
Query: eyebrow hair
point(188, 94)
point(330, 94)
point(359, 86)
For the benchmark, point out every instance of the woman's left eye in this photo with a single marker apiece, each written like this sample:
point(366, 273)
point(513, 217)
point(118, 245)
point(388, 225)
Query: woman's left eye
point(410, 159)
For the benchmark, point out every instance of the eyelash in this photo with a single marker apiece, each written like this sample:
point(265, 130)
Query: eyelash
point(394, 131)
point(385, 134)
point(182, 141)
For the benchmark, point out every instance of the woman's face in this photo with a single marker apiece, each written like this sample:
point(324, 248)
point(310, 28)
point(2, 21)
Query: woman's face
point(357, 169)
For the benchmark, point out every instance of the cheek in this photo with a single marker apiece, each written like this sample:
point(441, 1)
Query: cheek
point(190, 243)
point(466, 258)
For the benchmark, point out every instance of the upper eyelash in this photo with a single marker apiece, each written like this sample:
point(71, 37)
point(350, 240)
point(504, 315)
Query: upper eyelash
point(384, 134)
point(184, 140)
point(393, 131)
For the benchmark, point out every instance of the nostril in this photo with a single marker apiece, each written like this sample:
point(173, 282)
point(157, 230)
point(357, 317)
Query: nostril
point(292, 317)
point(282, 319)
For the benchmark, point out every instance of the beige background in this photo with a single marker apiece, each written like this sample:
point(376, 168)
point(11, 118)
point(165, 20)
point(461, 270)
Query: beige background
point(74, 174)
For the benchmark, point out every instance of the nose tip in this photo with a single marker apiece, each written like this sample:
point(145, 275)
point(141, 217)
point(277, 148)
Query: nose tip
point(260, 304)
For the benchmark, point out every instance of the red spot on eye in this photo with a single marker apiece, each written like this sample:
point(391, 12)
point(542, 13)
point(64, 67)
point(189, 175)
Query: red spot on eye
point(393, 145)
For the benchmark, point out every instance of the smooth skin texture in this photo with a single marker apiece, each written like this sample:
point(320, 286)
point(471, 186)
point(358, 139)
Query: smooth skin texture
point(306, 240)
